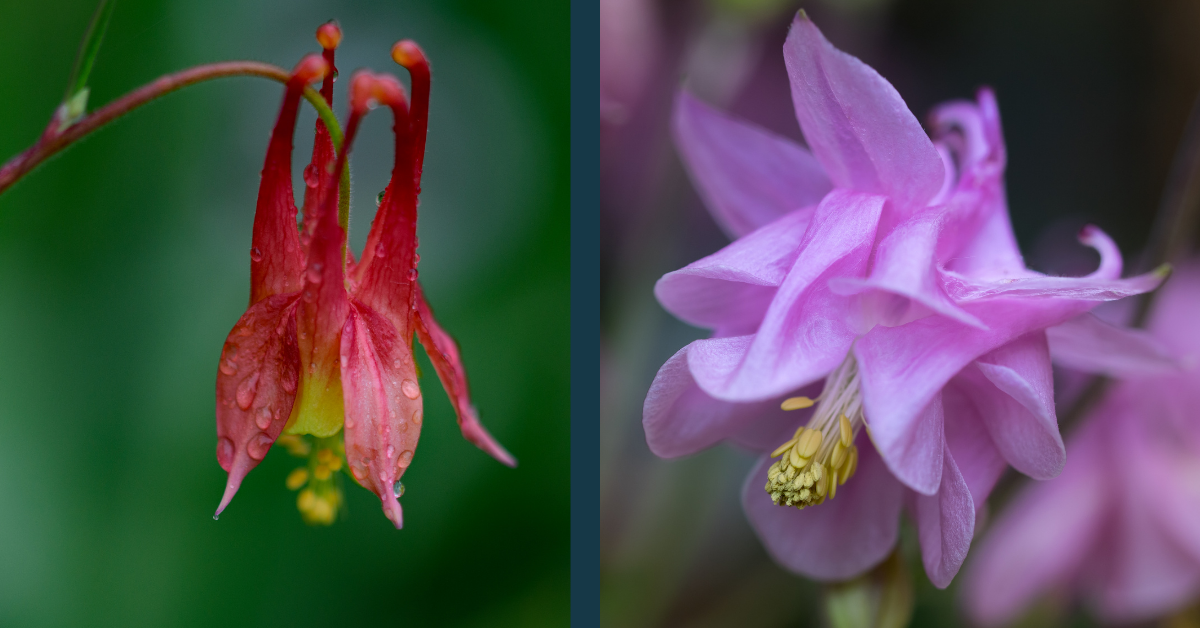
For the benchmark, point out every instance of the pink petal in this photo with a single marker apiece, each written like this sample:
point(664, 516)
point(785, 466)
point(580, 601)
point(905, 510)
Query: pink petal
point(383, 404)
point(1102, 285)
point(904, 284)
point(807, 329)
point(1088, 344)
point(1041, 539)
point(748, 176)
point(679, 419)
point(912, 449)
point(856, 124)
point(945, 525)
point(256, 386)
point(732, 288)
point(838, 539)
point(1013, 388)
point(443, 352)
point(967, 438)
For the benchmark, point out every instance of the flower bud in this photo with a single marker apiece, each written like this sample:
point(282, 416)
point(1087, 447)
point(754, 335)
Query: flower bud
point(329, 35)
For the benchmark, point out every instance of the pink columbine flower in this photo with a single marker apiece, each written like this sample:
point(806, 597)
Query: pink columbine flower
point(884, 263)
point(325, 348)
point(1121, 526)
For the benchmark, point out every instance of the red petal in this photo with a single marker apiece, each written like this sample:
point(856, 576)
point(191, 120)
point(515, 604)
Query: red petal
point(256, 385)
point(443, 352)
point(383, 404)
point(276, 262)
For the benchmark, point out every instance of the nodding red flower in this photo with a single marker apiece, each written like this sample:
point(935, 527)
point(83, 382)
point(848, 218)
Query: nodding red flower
point(325, 348)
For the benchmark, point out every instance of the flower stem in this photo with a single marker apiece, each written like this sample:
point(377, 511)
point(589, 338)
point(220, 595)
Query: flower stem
point(54, 140)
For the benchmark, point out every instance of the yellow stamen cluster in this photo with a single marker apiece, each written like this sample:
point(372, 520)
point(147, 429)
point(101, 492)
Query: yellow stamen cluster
point(798, 480)
point(321, 498)
point(820, 456)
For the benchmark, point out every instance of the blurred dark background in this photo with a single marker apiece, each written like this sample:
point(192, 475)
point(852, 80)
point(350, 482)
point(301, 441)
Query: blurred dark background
point(1094, 96)
point(124, 262)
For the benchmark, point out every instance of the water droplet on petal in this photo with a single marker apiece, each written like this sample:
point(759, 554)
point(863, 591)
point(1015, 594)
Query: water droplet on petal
point(416, 258)
point(255, 254)
point(215, 517)
point(246, 391)
point(391, 451)
point(228, 367)
point(258, 446)
point(225, 453)
point(311, 178)
point(410, 389)
point(398, 488)
point(405, 457)
point(308, 296)
point(396, 363)
point(289, 385)
point(416, 418)
point(380, 250)
point(412, 274)
point(263, 420)
point(379, 199)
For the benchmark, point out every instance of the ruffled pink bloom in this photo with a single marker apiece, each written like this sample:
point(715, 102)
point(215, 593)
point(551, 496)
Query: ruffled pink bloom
point(885, 261)
point(1121, 526)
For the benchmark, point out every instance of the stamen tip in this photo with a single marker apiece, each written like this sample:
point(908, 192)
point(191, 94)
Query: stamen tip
point(329, 35)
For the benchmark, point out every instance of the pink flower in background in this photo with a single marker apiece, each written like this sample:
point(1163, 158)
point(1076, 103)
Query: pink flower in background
point(1121, 526)
point(883, 263)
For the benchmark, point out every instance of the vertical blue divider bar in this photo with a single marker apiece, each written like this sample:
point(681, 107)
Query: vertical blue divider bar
point(585, 314)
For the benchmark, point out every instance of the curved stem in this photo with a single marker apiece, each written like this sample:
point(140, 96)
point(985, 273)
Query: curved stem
point(52, 141)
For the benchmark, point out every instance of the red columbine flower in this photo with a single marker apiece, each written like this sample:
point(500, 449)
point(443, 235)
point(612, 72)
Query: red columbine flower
point(326, 344)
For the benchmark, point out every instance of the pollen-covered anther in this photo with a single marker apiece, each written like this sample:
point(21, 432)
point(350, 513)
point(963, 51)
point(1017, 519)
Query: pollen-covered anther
point(329, 35)
point(820, 456)
point(311, 68)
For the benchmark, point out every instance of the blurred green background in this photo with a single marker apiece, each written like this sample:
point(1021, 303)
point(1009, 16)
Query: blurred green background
point(1093, 94)
point(124, 262)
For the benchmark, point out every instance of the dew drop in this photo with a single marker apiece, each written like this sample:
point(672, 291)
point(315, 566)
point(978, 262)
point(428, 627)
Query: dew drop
point(410, 389)
point(289, 385)
point(398, 488)
point(416, 258)
point(263, 421)
point(228, 367)
point(311, 178)
point(246, 391)
point(416, 418)
point(225, 453)
point(380, 251)
point(412, 274)
point(391, 451)
point(396, 363)
point(405, 457)
point(258, 446)
point(215, 517)
point(255, 254)
point(379, 199)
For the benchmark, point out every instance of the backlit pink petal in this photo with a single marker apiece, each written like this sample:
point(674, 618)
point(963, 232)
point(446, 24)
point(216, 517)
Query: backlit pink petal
point(1042, 538)
point(443, 352)
point(1018, 406)
point(912, 449)
point(680, 419)
point(856, 124)
point(748, 176)
point(838, 539)
point(1088, 344)
point(256, 386)
point(732, 288)
point(945, 524)
point(807, 329)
